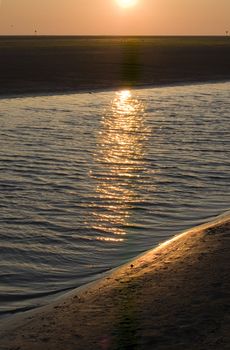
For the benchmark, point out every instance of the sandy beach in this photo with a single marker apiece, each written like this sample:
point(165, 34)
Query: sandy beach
point(175, 296)
point(40, 65)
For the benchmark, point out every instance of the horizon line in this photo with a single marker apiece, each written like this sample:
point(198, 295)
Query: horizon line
point(114, 35)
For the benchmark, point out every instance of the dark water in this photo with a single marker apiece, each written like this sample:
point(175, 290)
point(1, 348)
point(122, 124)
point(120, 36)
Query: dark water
point(88, 181)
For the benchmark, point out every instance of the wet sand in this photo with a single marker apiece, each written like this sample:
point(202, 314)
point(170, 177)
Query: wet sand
point(40, 65)
point(176, 296)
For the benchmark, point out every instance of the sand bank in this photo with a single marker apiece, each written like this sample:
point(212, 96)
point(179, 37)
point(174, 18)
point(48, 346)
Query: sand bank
point(175, 296)
point(41, 65)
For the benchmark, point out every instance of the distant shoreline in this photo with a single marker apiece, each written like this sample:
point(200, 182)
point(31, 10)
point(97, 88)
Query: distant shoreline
point(109, 89)
point(32, 65)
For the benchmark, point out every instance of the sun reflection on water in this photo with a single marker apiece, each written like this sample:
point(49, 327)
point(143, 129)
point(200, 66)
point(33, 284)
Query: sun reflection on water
point(120, 164)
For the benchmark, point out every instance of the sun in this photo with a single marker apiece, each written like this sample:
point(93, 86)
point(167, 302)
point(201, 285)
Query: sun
point(127, 3)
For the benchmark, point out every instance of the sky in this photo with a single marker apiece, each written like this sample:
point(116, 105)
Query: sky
point(106, 17)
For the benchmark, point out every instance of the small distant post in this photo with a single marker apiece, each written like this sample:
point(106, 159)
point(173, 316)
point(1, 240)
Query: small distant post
point(227, 32)
point(35, 32)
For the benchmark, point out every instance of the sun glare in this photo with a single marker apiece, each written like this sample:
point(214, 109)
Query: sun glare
point(124, 94)
point(127, 3)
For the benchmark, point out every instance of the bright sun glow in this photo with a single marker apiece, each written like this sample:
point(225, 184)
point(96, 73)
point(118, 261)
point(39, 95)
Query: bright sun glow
point(127, 3)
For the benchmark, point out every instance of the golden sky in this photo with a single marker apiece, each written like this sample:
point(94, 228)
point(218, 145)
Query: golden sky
point(106, 17)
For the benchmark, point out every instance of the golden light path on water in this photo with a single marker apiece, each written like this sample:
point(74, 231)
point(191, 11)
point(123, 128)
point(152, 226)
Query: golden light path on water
point(119, 157)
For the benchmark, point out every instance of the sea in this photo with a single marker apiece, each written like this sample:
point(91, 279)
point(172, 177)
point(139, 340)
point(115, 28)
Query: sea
point(90, 180)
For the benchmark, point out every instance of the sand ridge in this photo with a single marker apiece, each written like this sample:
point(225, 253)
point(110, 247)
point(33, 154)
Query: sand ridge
point(175, 296)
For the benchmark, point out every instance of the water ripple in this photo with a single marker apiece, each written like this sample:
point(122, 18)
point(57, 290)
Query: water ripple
point(89, 181)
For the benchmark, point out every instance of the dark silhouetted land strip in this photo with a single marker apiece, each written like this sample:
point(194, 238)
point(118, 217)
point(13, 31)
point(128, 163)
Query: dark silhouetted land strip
point(62, 64)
